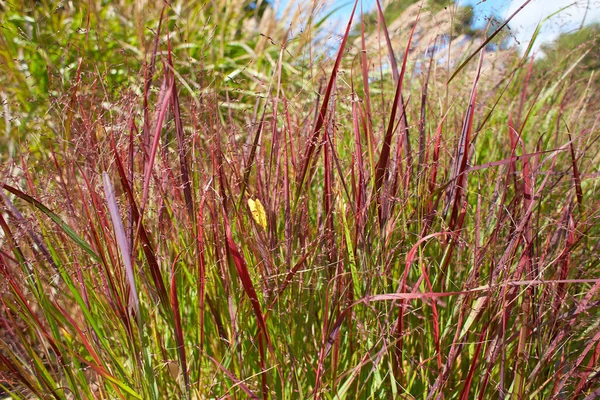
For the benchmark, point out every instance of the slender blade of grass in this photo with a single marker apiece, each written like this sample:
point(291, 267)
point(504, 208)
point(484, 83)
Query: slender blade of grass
point(126, 256)
point(485, 42)
point(312, 143)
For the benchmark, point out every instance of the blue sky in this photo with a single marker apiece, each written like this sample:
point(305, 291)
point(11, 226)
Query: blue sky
point(523, 25)
point(482, 8)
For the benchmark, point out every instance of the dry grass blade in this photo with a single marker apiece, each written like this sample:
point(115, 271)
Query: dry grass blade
point(134, 302)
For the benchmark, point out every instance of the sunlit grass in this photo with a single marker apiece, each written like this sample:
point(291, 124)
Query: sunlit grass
point(308, 231)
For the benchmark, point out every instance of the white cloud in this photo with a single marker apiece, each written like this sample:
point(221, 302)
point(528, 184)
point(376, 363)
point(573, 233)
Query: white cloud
point(523, 24)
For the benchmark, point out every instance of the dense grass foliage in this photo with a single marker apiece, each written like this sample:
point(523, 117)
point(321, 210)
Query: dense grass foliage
point(250, 216)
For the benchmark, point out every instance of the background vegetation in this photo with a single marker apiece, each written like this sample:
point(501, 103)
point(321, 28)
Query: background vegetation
point(204, 200)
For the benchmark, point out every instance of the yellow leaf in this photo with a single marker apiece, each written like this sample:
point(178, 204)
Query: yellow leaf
point(258, 213)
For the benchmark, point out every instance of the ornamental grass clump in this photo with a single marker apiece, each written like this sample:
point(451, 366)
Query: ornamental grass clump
point(317, 229)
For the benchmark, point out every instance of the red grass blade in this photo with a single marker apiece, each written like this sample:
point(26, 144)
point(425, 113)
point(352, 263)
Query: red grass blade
point(15, 371)
point(251, 156)
point(161, 114)
point(423, 121)
point(147, 246)
point(382, 164)
point(148, 75)
point(200, 248)
point(397, 78)
point(459, 174)
point(364, 64)
point(178, 329)
point(312, 143)
point(576, 176)
point(242, 271)
point(436, 154)
point(183, 163)
point(244, 275)
point(360, 196)
point(237, 382)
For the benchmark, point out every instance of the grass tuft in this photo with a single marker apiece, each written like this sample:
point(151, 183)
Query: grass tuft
point(201, 202)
